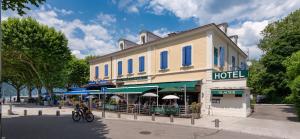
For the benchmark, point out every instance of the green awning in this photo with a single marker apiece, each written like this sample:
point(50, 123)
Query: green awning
point(129, 90)
point(218, 92)
point(169, 84)
point(176, 89)
point(141, 88)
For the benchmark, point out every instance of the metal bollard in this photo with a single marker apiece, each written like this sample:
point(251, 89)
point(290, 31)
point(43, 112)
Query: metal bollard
point(103, 114)
point(9, 112)
point(40, 113)
point(217, 123)
point(25, 112)
point(153, 117)
point(119, 115)
point(193, 120)
point(57, 113)
point(135, 116)
point(171, 118)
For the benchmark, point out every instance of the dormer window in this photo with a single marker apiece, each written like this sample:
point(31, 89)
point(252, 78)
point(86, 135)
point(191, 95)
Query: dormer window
point(143, 39)
point(121, 46)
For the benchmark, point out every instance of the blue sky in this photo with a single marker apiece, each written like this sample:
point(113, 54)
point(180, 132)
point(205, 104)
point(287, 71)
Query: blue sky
point(94, 26)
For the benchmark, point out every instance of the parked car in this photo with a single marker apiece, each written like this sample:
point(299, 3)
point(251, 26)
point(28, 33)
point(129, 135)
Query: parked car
point(261, 99)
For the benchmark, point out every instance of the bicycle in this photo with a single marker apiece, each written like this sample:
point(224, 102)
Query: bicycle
point(79, 113)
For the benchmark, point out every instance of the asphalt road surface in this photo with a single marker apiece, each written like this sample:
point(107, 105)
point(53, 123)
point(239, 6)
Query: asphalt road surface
point(51, 127)
point(275, 112)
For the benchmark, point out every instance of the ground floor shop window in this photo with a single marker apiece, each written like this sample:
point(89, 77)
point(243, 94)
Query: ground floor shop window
point(238, 95)
point(217, 95)
point(214, 100)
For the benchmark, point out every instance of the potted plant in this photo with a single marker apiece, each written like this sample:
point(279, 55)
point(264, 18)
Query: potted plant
point(196, 110)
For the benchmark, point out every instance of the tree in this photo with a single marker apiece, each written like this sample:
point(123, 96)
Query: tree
point(20, 5)
point(280, 40)
point(292, 65)
point(77, 72)
point(41, 49)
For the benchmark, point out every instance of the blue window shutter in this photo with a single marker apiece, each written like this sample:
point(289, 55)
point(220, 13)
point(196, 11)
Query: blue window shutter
point(183, 56)
point(141, 64)
point(129, 66)
point(216, 56)
point(120, 68)
point(233, 62)
point(106, 70)
point(188, 55)
point(161, 60)
point(166, 60)
point(222, 56)
point(97, 72)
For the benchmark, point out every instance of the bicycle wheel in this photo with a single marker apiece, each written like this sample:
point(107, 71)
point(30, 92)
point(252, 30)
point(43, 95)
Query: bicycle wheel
point(76, 116)
point(89, 117)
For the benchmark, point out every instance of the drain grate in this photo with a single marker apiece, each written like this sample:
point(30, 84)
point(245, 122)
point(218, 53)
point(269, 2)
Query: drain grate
point(145, 132)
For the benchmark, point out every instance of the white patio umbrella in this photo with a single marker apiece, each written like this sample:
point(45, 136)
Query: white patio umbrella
point(170, 97)
point(91, 96)
point(149, 95)
point(115, 97)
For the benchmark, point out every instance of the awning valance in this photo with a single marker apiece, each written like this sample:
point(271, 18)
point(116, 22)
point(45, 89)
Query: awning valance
point(130, 90)
point(218, 92)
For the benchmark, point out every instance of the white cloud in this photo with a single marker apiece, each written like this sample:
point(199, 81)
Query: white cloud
point(106, 19)
point(131, 6)
point(162, 32)
point(96, 39)
point(225, 11)
point(252, 15)
point(249, 35)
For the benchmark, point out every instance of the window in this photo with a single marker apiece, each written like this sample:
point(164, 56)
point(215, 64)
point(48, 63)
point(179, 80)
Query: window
point(214, 100)
point(187, 56)
point(96, 72)
point(164, 60)
point(238, 95)
point(233, 62)
point(129, 67)
point(143, 39)
point(216, 55)
point(120, 68)
point(121, 46)
point(222, 55)
point(106, 70)
point(141, 64)
point(243, 66)
point(217, 95)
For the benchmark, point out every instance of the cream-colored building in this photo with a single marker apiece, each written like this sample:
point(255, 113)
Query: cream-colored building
point(182, 57)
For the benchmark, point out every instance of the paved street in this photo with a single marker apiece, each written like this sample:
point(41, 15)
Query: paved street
point(51, 127)
point(274, 112)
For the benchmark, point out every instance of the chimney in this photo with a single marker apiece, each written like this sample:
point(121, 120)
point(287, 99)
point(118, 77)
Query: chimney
point(234, 38)
point(223, 27)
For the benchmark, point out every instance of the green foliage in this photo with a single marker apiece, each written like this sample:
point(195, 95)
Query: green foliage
point(292, 65)
point(196, 107)
point(280, 40)
point(77, 72)
point(20, 5)
point(37, 52)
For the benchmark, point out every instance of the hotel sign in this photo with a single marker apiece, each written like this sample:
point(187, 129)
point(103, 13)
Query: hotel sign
point(238, 74)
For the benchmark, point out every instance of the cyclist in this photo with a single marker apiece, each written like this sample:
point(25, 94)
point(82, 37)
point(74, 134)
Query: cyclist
point(83, 107)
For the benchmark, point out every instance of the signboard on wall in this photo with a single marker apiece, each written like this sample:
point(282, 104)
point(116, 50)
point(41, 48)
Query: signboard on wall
point(238, 74)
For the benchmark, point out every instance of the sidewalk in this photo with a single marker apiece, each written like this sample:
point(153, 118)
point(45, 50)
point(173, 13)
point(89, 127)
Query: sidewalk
point(261, 127)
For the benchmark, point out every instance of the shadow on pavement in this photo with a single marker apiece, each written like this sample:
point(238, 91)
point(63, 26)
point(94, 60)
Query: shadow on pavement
point(52, 127)
point(31, 105)
point(290, 109)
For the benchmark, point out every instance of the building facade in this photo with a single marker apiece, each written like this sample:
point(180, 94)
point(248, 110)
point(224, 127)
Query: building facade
point(193, 55)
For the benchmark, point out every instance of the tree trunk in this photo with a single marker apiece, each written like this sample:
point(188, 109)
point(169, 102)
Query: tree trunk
point(18, 95)
point(39, 94)
point(29, 92)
